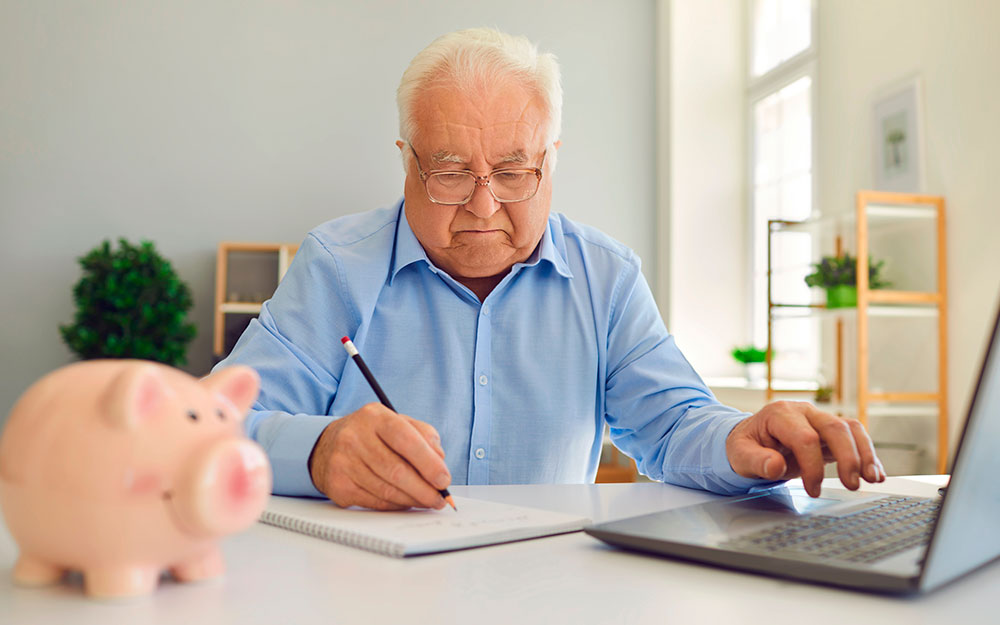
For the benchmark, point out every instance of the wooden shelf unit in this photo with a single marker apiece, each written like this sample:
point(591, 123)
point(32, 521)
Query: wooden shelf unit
point(284, 252)
point(869, 206)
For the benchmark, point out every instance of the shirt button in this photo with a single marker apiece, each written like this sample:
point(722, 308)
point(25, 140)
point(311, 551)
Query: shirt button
point(480, 453)
point(485, 309)
point(483, 380)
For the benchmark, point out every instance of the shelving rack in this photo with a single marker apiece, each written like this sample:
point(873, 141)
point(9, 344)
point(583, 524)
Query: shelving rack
point(223, 306)
point(870, 207)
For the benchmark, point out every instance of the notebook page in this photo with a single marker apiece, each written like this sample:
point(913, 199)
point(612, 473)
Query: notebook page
point(414, 532)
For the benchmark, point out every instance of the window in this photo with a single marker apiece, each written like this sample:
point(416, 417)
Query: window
point(781, 30)
point(781, 104)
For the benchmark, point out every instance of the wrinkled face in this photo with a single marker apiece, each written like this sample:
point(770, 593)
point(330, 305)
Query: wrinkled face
point(479, 131)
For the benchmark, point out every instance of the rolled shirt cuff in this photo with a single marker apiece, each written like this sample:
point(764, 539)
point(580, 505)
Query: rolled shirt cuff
point(723, 471)
point(289, 442)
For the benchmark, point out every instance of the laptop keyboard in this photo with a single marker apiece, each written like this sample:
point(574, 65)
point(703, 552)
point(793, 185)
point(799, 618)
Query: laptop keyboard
point(889, 526)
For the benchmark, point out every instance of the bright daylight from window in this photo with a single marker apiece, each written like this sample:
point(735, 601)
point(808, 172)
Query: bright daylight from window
point(781, 171)
point(781, 29)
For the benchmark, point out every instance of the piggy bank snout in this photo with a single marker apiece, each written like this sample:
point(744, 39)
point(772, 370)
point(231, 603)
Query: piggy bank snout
point(224, 489)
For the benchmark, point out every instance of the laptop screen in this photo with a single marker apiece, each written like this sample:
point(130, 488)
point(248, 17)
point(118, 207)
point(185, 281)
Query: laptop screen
point(966, 535)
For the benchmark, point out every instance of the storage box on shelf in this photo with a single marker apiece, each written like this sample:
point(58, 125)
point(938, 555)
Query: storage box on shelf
point(855, 396)
point(240, 291)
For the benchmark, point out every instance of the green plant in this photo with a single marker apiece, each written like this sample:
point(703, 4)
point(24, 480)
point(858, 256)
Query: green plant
point(823, 394)
point(129, 304)
point(749, 354)
point(843, 270)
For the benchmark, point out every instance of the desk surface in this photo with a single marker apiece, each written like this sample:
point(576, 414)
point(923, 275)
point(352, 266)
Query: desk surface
point(277, 577)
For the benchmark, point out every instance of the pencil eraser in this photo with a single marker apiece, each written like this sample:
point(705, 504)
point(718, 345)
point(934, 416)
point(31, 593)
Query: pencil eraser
point(345, 340)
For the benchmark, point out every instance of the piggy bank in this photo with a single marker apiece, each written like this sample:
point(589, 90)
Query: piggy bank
point(120, 469)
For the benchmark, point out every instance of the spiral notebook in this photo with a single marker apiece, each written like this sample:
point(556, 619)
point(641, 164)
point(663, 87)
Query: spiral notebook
point(418, 532)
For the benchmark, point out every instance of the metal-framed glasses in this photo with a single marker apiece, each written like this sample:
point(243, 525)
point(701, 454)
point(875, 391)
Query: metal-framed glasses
point(456, 186)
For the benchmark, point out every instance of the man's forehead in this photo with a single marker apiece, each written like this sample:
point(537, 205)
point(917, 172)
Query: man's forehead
point(494, 123)
point(448, 142)
point(503, 101)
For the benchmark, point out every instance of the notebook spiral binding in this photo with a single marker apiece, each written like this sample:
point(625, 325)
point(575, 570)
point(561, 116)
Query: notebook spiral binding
point(343, 537)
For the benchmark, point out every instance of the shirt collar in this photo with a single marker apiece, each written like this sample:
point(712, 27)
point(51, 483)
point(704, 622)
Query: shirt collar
point(548, 251)
point(408, 250)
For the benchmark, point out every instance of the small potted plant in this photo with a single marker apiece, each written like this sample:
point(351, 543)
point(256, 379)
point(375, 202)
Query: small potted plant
point(130, 304)
point(839, 276)
point(824, 394)
point(752, 358)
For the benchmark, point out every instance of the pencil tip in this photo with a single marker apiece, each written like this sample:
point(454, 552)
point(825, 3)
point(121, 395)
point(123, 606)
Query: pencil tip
point(451, 502)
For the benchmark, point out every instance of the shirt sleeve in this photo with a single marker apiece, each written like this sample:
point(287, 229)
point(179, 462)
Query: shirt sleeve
point(293, 346)
point(659, 410)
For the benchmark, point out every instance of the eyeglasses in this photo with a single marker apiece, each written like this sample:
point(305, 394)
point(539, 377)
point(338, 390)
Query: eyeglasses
point(456, 186)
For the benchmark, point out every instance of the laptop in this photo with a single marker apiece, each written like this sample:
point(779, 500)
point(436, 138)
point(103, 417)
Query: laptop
point(873, 542)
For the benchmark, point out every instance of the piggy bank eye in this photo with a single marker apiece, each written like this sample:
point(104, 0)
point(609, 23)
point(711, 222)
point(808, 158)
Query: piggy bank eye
point(192, 415)
point(220, 414)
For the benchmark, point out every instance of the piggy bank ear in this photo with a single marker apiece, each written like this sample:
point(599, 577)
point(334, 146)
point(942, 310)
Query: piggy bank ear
point(238, 384)
point(135, 395)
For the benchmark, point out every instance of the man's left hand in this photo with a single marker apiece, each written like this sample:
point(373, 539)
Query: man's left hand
point(789, 439)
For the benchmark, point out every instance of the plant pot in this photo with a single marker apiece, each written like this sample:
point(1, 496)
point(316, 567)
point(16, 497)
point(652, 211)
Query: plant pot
point(756, 372)
point(842, 296)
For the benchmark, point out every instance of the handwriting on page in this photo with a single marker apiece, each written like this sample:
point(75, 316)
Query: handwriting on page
point(441, 521)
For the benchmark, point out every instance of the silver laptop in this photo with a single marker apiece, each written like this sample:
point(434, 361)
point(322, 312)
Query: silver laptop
point(873, 542)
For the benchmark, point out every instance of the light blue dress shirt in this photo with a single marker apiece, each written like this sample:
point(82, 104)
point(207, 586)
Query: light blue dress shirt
point(519, 386)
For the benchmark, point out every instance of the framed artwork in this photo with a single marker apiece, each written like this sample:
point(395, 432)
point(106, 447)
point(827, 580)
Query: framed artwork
point(898, 157)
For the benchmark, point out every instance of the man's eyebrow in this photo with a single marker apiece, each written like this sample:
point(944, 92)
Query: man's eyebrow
point(444, 156)
point(517, 156)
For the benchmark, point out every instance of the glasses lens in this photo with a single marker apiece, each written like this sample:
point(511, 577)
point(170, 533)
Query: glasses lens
point(456, 187)
point(450, 187)
point(514, 185)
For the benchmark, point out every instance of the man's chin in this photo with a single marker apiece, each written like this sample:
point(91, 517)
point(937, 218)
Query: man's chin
point(476, 268)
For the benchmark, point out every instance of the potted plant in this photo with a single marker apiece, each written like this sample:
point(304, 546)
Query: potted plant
point(752, 358)
point(839, 276)
point(824, 394)
point(129, 304)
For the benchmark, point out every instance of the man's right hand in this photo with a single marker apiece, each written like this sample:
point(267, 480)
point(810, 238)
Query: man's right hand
point(376, 458)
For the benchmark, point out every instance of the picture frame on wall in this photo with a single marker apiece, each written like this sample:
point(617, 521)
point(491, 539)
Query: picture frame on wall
point(897, 132)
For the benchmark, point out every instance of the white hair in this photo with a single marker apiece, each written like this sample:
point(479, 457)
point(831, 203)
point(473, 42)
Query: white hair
point(472, 57)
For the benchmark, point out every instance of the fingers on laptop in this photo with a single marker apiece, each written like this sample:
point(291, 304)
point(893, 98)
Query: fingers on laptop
point(815, 438)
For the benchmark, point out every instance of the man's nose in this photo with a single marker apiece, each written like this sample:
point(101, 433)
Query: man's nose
point(482, 204)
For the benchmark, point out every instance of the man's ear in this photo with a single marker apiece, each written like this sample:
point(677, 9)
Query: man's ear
point(135, 395)
point(238, 384)
point(403, 155)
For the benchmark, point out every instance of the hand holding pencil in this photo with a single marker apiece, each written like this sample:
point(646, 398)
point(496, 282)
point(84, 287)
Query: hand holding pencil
point(379, 459)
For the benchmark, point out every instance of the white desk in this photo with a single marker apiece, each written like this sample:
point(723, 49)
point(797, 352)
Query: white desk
point(279, 577)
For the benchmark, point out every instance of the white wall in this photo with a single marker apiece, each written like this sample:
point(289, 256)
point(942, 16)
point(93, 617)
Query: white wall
point(707, 253)
point(188, 123)
point(953, 45)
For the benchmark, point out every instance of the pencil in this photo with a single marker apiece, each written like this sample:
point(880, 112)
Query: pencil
point(382, 397)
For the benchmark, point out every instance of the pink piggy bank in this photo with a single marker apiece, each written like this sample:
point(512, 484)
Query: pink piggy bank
point(123, 468)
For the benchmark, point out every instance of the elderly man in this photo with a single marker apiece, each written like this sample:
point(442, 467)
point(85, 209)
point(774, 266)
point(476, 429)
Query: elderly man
point(507, 335)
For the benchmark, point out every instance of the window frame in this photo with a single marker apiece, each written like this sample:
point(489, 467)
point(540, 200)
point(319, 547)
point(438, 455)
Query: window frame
point(804, 63)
